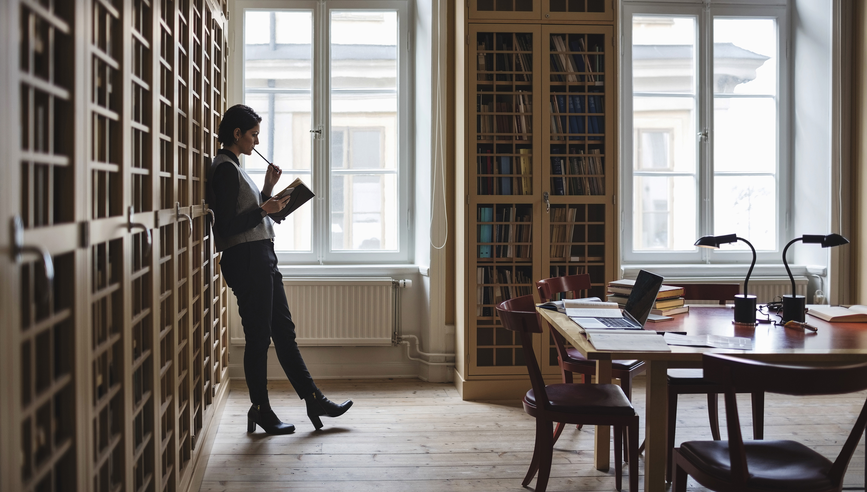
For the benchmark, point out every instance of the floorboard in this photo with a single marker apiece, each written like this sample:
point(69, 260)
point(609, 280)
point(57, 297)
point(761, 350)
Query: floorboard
point(409, 435)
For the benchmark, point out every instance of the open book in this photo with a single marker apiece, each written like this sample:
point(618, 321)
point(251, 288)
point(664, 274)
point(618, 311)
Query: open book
point(852, 314)
point(301, 194)
point(579, 308)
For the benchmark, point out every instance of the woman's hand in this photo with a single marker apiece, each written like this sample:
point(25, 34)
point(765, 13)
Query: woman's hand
point(272, 175)
point(275, 204)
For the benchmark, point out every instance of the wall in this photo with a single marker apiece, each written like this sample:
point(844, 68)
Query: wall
point(811, 130)
point(858, 140)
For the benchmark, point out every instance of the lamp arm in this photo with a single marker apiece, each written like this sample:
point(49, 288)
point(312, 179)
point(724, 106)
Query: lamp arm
point(750, 271)
point(786, 264)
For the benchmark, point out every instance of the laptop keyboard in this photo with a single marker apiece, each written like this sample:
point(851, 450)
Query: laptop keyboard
point(616, 322)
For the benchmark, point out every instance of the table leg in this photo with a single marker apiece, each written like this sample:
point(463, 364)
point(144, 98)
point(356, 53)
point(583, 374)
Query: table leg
point(655, 422)
point(602, 445)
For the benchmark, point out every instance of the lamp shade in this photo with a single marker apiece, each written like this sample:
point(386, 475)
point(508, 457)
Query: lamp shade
point(715, 241)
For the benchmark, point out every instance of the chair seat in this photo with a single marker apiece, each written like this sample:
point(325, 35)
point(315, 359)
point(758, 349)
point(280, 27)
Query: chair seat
point(607, 399)
point(626, 365)
point(686, 376)
point(773, 465)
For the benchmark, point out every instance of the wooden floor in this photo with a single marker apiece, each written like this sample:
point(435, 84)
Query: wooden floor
point(409, 435)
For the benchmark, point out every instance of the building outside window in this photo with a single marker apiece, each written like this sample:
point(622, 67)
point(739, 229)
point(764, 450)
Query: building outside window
point(330, 82)
point(705, 104)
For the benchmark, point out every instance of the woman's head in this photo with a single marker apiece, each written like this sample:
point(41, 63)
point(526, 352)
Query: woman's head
point(236, 127)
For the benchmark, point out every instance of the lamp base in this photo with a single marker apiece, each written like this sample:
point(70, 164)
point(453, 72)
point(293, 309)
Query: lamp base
point(794, 308)
point(745, 309)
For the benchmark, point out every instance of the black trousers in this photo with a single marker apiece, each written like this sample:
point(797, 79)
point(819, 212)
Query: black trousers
point(250, 269)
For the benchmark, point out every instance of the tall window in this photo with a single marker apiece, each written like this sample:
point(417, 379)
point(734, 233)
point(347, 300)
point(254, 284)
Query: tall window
point(705, 105)
point(330, 82)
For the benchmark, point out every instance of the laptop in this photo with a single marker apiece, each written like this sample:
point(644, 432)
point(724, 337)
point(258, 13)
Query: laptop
point(637, 308)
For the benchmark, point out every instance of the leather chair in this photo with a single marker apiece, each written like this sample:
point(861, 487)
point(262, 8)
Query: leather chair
point(570, 360)
point(692, 381)
point(736, 465)
point(591, 404)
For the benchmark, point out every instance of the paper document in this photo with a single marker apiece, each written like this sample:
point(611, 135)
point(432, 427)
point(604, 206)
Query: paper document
point(627, 342)
point(715, 341)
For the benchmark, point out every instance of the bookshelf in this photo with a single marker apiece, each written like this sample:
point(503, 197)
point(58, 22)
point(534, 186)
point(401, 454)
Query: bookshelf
point(539, 178)
point(546, 10)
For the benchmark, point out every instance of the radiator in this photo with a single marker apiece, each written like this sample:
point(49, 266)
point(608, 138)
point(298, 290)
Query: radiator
point(766, 289)
point(346, 312)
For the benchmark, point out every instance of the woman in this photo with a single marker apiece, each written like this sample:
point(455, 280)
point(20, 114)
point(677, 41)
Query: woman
point(249, 265)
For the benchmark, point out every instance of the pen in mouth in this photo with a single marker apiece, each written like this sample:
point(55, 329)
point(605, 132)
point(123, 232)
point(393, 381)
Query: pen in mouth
point(262, 156)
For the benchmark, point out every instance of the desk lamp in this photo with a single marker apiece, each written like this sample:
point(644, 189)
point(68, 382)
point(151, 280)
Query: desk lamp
point(794, 305)
point(745, 304)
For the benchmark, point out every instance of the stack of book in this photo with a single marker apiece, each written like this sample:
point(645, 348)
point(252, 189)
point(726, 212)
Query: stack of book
point(669, 300)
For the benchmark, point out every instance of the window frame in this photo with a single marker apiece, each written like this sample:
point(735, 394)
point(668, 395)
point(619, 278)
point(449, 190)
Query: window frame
point(704, 119)
point(321, 252)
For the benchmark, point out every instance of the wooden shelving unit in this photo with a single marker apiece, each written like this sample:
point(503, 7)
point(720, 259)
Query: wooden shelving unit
point(112, 374)
point(540, 172)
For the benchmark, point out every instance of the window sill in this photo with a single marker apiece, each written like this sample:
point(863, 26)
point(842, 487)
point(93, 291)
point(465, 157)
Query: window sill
point(348, 270)
point(710, 272)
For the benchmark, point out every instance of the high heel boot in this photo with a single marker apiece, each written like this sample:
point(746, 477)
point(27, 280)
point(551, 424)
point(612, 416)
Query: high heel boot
point(318, 406)
point(265, 418)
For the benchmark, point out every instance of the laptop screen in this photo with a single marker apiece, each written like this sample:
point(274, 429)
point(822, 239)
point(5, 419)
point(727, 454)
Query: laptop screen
point(643, 296)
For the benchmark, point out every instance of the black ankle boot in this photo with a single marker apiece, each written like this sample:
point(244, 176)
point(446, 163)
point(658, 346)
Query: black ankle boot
point(318, 406)
point(265, 418)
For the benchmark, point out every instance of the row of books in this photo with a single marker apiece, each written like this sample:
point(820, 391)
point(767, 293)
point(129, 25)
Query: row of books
point(503, 118)
point(578, 175)
point(512, 233)
point(575, 66)
point(575, 107)
point(563, 219)
point(497, 175)
point(509, 284)
point(515, 55)
point(669, 301)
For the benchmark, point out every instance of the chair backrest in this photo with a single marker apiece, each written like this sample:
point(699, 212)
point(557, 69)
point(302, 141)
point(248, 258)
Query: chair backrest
point(741, 375)
point(549, 287)
point(519, 315)
point(711, 292)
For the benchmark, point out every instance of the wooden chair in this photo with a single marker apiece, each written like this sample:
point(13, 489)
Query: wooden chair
point(692, 381)
point(769, 466)
point(571, 361)
point(591, 404)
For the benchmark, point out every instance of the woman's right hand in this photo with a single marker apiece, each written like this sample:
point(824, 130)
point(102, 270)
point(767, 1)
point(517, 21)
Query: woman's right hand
point(275, 204)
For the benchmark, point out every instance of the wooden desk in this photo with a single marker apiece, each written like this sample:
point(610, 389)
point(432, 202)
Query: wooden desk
point(834, 342)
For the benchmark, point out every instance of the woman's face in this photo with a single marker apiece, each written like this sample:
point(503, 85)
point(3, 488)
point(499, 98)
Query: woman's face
point(247, 140)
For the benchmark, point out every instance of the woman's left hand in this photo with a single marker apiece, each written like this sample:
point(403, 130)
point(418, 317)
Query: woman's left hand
point(272, 175)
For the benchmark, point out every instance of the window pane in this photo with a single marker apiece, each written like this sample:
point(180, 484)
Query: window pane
point(277, 85)
point(363, 90)
point(746, 206)
point(360, 205)
point(744, 60)
point(745, 131)
point(664, 213)
point(663, 54)
point(673, 117)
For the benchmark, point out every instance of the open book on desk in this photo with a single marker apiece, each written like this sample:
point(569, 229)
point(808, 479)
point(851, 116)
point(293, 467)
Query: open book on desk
point(839, 314)
point(560, 306)
point(580, 308)
point(627, 340)
point(301, 194)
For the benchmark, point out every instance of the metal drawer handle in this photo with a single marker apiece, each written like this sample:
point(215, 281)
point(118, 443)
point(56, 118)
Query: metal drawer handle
point(18, 248)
